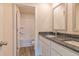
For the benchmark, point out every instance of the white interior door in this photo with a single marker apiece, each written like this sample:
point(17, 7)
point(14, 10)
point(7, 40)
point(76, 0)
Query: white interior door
point(2, 41)
point(6, 29)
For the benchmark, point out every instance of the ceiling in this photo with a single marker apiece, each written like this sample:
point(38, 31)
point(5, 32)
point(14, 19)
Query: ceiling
point(26, 8)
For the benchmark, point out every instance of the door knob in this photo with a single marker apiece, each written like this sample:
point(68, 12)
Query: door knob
point(3, 43)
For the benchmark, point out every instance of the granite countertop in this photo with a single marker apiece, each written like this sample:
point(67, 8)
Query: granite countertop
point(63, 41)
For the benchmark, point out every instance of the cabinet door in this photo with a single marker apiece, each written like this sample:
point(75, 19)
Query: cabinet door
point(63, 50)
point(44, 49)
point(54, 52)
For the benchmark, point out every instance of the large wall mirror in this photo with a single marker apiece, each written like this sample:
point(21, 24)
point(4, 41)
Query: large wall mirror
point(75, 17)
point(60, 17)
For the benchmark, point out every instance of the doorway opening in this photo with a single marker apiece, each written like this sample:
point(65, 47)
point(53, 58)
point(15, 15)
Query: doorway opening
point(25, 30)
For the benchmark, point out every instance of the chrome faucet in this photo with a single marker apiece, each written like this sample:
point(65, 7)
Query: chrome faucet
point(55, 33)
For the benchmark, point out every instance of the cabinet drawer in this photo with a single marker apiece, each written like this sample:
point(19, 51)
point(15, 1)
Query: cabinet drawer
point(47, 41)
point(63, 50)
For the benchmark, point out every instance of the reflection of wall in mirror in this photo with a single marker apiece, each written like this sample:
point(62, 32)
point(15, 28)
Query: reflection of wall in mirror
point(59, 17)
point(77, 17)
point(63, 9)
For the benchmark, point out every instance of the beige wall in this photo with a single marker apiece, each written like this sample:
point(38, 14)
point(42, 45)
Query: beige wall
point(44, 17)
point(7, 28)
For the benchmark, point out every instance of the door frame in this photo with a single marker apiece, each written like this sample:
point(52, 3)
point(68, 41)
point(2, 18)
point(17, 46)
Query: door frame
point(15, 27)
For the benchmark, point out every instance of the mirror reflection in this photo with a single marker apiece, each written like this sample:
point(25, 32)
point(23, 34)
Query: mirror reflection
point(60, 17)
point(76, 17)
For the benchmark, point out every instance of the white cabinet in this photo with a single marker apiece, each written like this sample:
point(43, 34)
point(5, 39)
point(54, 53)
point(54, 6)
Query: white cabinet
point(54, 52)
point(51, 48)
point(61, 50)
point(44, 46)
point(42, 49)
point(45, 49)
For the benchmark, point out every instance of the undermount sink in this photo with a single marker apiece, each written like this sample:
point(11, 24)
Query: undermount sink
point(50, 36)
point(75, 43)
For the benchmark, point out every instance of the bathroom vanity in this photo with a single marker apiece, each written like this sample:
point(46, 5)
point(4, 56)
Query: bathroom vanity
point(60, 45)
